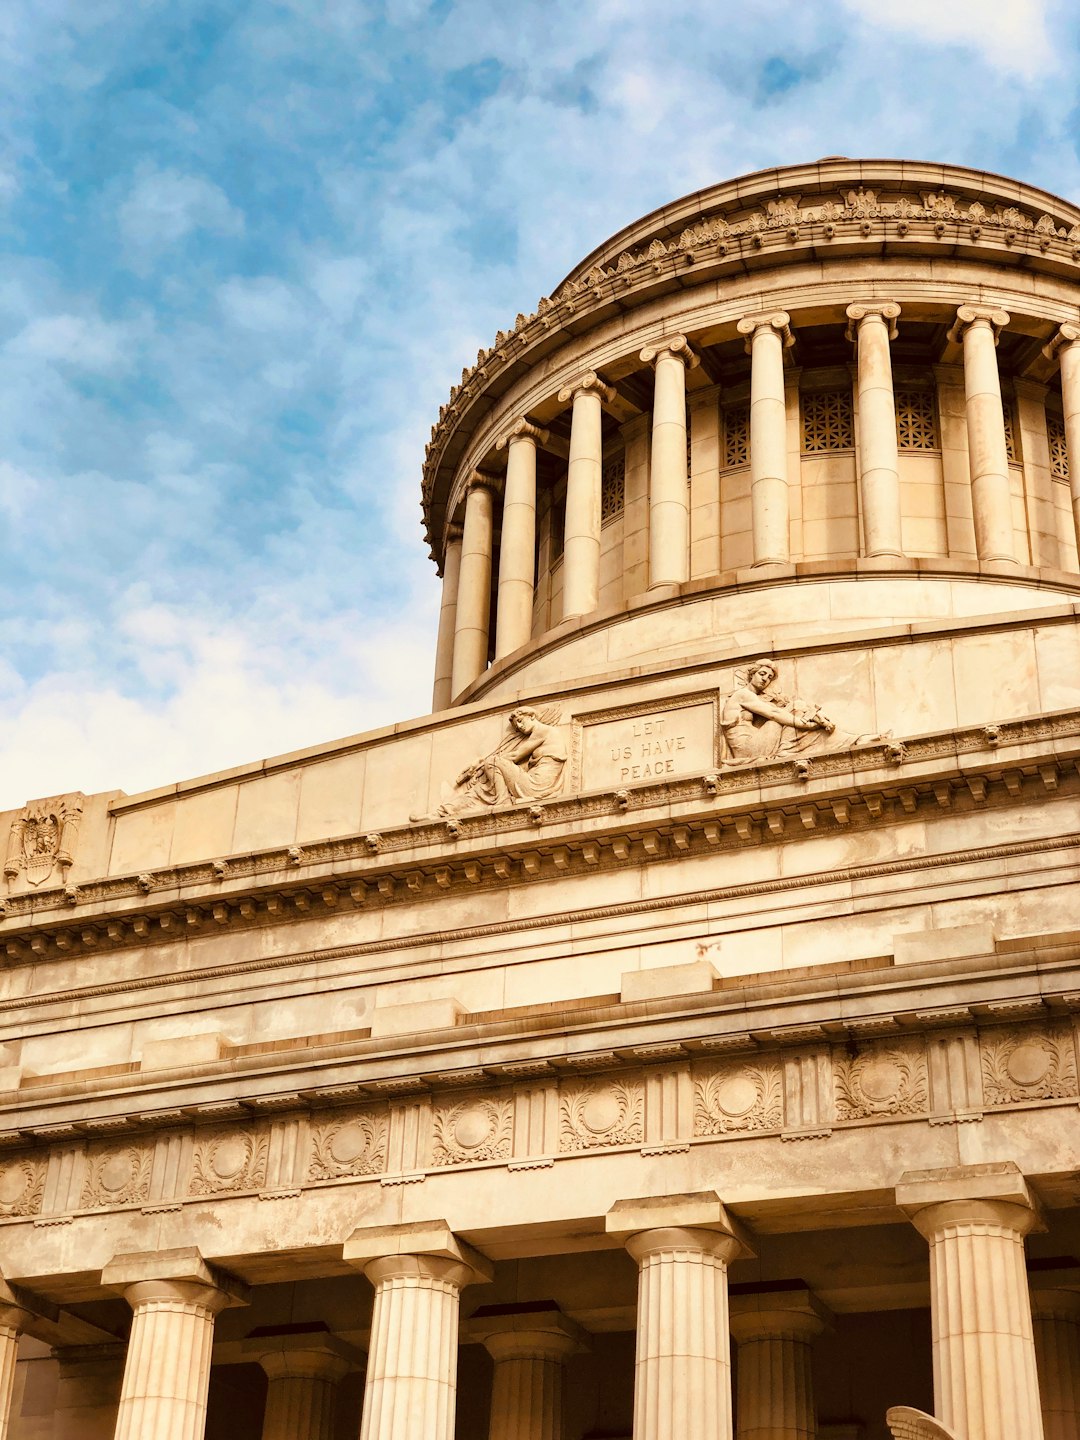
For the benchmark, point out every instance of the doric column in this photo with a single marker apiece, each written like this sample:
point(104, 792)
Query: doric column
point(774, 1331)
point(418, 1272)
point(1066, 346)
point(975, 1219)
point(979, 326)
point(530, 1347)
point(682, 1374)
point(584, 479)
point(444, 647)
point(14, 1318)
point(669, 497)
point(474, 584)
point(174, 1297)
point(873, 326)
point(768, 337)
point(1056, 1319)
point(517, 549)
point(304, 1371)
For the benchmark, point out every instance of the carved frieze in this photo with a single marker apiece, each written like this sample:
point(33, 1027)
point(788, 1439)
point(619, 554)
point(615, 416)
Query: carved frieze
point(117, 1175)
point(22, 1185)
point(759, 723)
point(885, 1079)
point(472, 1130)
point(738, 1098)
point(351, 1143)
point(527, 766)
point(610, 1112)
point(43, 839)
point(1027, 1064)
point(227, 1161)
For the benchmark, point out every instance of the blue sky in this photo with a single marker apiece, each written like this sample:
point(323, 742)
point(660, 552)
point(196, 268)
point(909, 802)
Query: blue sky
point(247, 246)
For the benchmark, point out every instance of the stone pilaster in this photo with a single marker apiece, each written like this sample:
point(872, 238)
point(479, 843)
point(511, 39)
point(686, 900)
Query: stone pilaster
point(530, 1347)
point(873, 327)
point(473, 616)
point(304, 1372)
point(442, 693)
point(174, 1297)
point(584, 483)
point(767, 337)
point(1056, 1320)
point(1066, 346)
point(975, 1219)
point(418, 1272)
point(979, 327)
point(669, 483)
point(774, 1331)
point(517, 549)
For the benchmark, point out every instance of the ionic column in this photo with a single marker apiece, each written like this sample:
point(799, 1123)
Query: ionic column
point(975, 1219)
point(669, 493)
point(411, 1387)
point(774, 1332)
point(768, 337)
point(530, 1348)
point(1066, 346)
point(1056, 1319)
point(682, 1374)
point(444, 646)
point(474, 585)
point(584, 480)
point(517, 549)
point(174, 1298)
point(991, 501)
point(872, 328)
point(304, 1372)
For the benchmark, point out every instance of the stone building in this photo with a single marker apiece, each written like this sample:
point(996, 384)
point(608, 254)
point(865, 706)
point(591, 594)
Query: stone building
point(682, 1019)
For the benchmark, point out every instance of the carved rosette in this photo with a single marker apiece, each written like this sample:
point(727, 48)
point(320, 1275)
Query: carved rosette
point(603, 1113)
point(228, 1161)
point(1021, 1065)
point(738, 1098)
point(881, 1080)
point(473, 1130)
point(351, 1144)
point(22, 1186)
point(117, 1175)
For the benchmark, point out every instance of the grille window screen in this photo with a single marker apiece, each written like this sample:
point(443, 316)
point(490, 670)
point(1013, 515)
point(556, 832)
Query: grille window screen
point(1059, 455)
point(828, 421)
point(736, 422)
point(613, 489)
point(916, 426)
point(1010, 433)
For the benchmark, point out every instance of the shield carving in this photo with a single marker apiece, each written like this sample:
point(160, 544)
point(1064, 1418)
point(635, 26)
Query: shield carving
point(43, 838)
point(40, 843)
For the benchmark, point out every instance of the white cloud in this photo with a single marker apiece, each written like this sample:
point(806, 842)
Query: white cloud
point(84, 341)
point(164, 206)
point(1011, 35)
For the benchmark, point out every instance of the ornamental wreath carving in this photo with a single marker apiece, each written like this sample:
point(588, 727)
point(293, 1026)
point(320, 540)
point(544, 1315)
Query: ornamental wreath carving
point(22, 1186)
point(1021, 1065)
point(526, 766)
point(605, 1113)
point(734, 1098)
point(351, 1144)
point(43, 838)
point(473, 1130)
point(881, 1080)
point(118, 1175)
point(229, 1161)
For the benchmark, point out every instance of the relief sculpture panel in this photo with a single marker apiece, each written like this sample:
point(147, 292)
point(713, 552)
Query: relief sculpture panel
point(1021, 1065)
point(117, 1175)
point(473, 1130)
point(527, 766)
point(738, 1098)
point(759, 722)
point(350, 1144)
point(22, 1185)
point(592, 1116)
point(42, 839)
point(881, 1080)
point(227, 1161)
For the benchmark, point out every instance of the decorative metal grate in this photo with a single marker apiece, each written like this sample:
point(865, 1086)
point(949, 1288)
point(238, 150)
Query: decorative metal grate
point(916, 424)
point(736, 420)
point(828, 421)
point(1059, 453)
point(1010, 433)
point(613, 489)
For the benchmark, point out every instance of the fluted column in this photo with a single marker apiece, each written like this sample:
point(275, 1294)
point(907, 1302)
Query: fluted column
point(774, 1332)
point(411, 1387)
point(12, 1323)
point(517, 549)
point(768, 337)
point(473, 616)
point(442, 693)
point(979, 326)
point(584, 481)
point(304, 1372)
point(1066, 346)
point(873, 327)
point(1056, 1320)
point(530, 1348)
point(975, 1219)
point(669, 484)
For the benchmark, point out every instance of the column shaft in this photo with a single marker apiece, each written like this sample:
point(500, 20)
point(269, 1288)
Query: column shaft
point(774, 1332)
point(299, 1408)
point(1070, 404)
point(517, 551)
point(584, 480)
point(768, 437)
point(167, 1371)
point(879, 473)
point(474, 589)
point(669, 493)
point(9, 1349)
point(444, 648)
point(530, 1349)
point(1056, 1317)
point(990, 495)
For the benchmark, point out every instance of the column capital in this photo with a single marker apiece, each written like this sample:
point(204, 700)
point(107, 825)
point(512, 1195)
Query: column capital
point(778, 320)
point(524, 430)
point(426, 1249)
point(1067, 335)
point(304, 1357)
point(672, 345)
point(173, 1275)
point(22, 1310)
point(970, 315)
point(1054, 1303)
point(526, 1332)
point(777, 1314)
point(993, 1194)
point(887, 311)
point(694, 1221)
point(588, 384)
point(480, 480)
point(455, 532)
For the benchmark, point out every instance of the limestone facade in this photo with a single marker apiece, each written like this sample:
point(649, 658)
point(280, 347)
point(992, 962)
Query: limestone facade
point(677, 1032)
